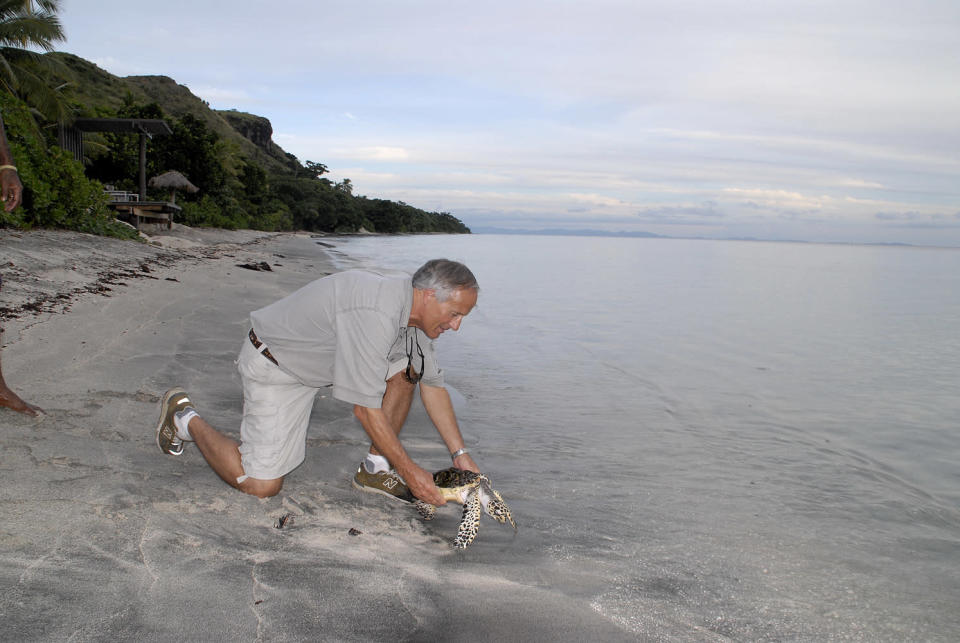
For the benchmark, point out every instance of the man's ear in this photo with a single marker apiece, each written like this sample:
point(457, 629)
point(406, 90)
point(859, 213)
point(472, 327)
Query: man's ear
point(424, 295)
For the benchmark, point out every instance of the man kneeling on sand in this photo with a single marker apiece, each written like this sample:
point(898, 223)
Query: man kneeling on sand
point(368, 335)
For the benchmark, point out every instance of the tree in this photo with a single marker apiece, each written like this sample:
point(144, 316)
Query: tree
point(253, 178)
point(23, 72)
point(115, 158)
point(344, 186)
point(315, 169)
point(193, 150)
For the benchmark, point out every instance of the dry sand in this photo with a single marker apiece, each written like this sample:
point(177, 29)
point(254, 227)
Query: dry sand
point(104, 538)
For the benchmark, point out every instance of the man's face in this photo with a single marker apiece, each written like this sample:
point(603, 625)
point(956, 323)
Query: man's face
point(439, 316)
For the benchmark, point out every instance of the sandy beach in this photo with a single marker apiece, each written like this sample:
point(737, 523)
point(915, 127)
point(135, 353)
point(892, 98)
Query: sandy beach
point(104, 538)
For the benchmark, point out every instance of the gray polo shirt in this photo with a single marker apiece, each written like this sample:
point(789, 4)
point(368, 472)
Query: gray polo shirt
point(345, 330)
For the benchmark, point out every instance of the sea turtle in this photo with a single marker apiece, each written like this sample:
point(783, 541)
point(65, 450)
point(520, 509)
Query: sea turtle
point(473, 490)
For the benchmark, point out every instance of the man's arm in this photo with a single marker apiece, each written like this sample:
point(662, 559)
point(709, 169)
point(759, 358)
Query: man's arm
point(436, 400)
point(418, 479)
point(11, 189)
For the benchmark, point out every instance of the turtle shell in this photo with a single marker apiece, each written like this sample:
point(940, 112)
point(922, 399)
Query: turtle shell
point(454, 478)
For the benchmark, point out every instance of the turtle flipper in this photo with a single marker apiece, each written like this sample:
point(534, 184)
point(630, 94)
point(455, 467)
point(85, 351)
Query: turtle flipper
point(470, 521)
point(496, 506)
point(427, 511)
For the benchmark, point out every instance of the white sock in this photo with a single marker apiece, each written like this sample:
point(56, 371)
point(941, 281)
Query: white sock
point(375, 463)
point(182, 421)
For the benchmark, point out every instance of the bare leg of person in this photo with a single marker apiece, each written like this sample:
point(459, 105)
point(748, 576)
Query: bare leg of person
point(222, 453)
point(396, 403)
point(13, 401)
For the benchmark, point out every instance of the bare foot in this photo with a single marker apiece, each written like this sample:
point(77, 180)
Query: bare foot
point(11, 400)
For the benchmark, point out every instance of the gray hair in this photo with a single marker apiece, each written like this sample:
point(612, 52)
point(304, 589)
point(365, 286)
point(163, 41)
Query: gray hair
point(444, 277)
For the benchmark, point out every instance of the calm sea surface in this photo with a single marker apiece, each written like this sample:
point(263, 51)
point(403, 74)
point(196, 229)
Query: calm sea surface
point(717, 439)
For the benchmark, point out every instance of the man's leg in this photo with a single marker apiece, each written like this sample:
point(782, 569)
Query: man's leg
point(11, 400)
point(222, 453)
point(396, 403)
point(276, 414)
point(8, 398)
point(375, 475)
point(179, 421)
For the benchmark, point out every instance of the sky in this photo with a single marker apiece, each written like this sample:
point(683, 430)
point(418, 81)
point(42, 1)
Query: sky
point(818, 120)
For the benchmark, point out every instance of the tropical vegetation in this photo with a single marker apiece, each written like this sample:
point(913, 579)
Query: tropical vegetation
point(26, 25)
point(57, 193)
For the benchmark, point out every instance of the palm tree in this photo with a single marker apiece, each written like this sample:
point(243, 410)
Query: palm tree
point(26, 25)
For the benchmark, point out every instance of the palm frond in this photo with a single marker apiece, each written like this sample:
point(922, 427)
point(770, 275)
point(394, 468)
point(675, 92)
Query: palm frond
point(26, 25)
point(44, 98)
point(22, 25)
point(50, 6)
point(37, 31)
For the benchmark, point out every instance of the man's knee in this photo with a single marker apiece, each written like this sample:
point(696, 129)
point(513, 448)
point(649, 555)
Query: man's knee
point(261, 488)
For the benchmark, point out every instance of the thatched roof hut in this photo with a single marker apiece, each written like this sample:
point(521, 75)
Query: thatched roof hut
point(174, 181)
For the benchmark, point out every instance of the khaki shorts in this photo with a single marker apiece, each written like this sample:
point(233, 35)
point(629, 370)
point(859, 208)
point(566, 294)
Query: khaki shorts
point(276, 413)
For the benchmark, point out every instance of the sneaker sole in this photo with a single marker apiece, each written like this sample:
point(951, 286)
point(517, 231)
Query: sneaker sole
point(163, 416)
point(357, 485)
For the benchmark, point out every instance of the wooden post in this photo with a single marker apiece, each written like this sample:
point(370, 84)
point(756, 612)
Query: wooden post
point(143, 166)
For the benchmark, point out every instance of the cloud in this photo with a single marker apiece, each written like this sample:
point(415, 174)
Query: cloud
point(858, 183)
point(375, 153)
point(898, 216)
point(699, 214)
point(778, 199)
point(119, 67)
point(921, 220)
point(221, 96)
point(596, 200)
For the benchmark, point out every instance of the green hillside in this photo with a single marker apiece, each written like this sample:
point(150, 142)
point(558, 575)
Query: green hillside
point(244, 178)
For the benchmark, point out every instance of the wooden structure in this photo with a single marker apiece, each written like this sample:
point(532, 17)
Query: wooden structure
point(133, 205)
point(71, 138)
point(146, 211)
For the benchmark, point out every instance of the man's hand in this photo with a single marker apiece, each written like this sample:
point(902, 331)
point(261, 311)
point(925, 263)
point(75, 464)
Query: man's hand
point(420, 483)
point(464, 461)
point(12, 189)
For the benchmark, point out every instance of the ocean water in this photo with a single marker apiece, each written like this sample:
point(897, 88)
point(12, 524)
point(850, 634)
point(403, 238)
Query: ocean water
point(715, 440)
